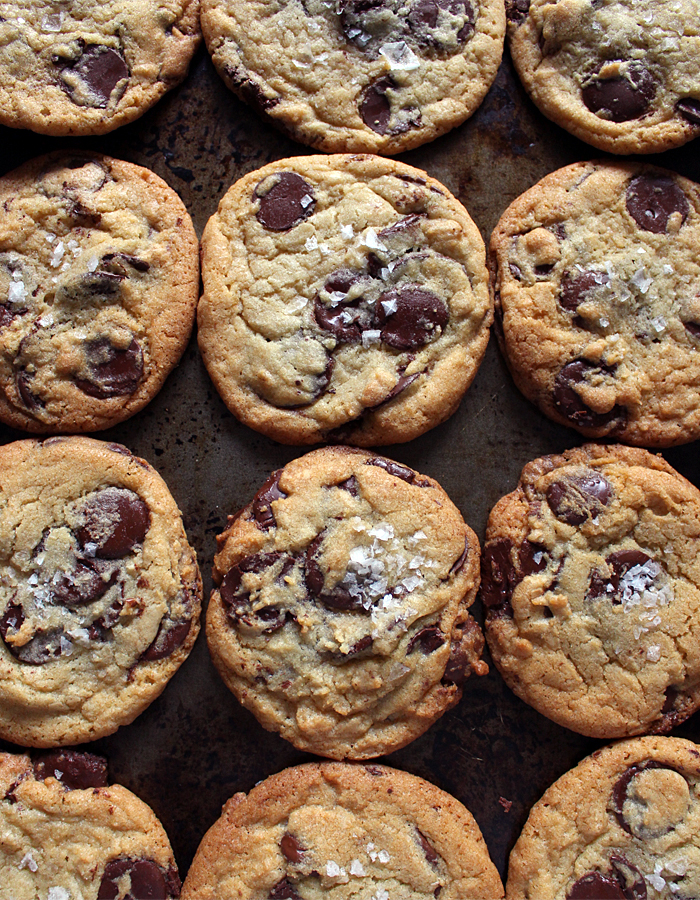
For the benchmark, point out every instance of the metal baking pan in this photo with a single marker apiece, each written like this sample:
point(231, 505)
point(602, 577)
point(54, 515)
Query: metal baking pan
point(195, 746)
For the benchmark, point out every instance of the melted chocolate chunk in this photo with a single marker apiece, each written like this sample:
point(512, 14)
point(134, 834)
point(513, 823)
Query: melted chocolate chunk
point(498, 577)
point(170, 636)
point(428, 639)
point(417, 317)
point(428, 849)
point(375, 109)
point(517, 10)
point(262, 502)
point(283, 890)
point(579, 288)
point(111, 372)
point(393, 468)
point(652, 200)
point(286, 203)
point(292, 848)
point(148, 882)
point(689, 109)
point(575, 498)
point(75, 771)
point(620, 563)
point(621, 98)
point(116, 521)
point(570, 405)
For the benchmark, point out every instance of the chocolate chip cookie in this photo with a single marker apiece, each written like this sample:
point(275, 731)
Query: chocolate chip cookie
point(99, 590)
point(623, 75)
point(339, 830)
point(345, 299)
point(99, 277)
point(340, 613)
point(67, 834)
point(597, 283)
point(378, 76)
point(591, 577)
point(623, 825)
point(87, 68)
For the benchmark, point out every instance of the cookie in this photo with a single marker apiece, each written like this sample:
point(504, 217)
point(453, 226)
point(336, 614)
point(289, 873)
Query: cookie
point(597, 283)
point(67, 834)
point(340, 612)
point(591, 577)
point(87, 68)
point(622, 75)
point(345, 299)
point(350, 75)
point(99, 590)
point(623, 825)
point(339, 830)
point(99, 277)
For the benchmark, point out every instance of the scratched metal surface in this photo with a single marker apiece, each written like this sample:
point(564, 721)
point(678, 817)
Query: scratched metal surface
point(195, 746)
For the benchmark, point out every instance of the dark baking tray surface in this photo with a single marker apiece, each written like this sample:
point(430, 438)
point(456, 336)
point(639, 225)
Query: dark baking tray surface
point(195, 746)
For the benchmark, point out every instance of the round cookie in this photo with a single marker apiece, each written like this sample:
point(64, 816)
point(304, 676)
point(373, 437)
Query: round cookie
point(99, 590)
point(338, 830)
point(623, 75)
point(67, 834)
point(87, 68)
point(340, 613)
point(99, 277)
point(350, 75)
point(596, 277)
point(622, 825)
point(591, 577)
point(345, 299)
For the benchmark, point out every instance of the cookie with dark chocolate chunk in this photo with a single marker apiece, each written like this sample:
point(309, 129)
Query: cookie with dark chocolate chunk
point(597, 286)
point(99, 276)
point(624, 824)
point(355, 76)
point(83, 68)
point(68, 833)
point(591, 581)
point(342, 830)
point(623, 75)
point(340, 613)
point(345, 300)
point(99, 591)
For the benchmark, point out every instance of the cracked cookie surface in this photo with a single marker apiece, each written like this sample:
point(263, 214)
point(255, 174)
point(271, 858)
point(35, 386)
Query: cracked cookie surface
point(87, 68)
point(349, 75)
point(343, 831)
point(623, 75)
point(68, 834)
point(98, 290)
point(345, 299)
point(99, 590)
point(340, 616)
point(621, 825)
point(597, 284)
point(591, 578)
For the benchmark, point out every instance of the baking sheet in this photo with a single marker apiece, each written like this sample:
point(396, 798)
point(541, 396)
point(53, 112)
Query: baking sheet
point(195, 746)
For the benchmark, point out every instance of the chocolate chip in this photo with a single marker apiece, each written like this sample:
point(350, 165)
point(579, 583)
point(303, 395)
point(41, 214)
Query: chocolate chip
point(498, 577)
point(689, 109)
point(75, 771)
point(393, 468)
point(111, 372)
point(283, 890)
point(621, 98)
point(575, 498)
point(595, 886)
point(576, 290)
point(375, 109)
point(115, 521)
point(171, 635)
point(652, 200)
point(428, 638)
point(292, 848)
point(147, 881)
point(570, 405)
point(351, 485)
point(417, 316)
point(286, 199)
point(517, 10)
point(101, 69)
point(262, 502)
